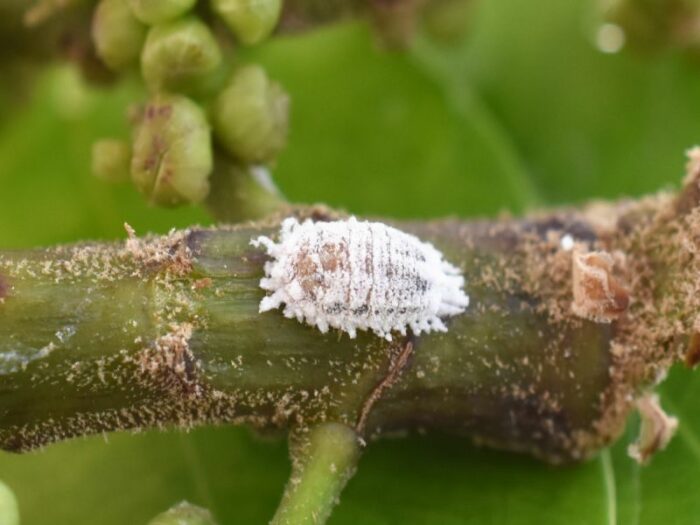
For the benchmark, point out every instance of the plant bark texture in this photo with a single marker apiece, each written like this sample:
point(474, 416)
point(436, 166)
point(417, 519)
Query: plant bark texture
point(165, 331)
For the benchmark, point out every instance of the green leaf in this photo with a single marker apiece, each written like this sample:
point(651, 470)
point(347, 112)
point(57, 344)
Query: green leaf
point(526, 112)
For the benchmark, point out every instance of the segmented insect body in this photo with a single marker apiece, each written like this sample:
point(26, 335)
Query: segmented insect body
point(361, 275)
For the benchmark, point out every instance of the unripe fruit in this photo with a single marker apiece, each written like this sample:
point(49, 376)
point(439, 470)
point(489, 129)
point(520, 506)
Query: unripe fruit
point(250, 20)
point(172, 157)
point(251, 116)
point(179, 54)
point(158, 11)
point(9, 512)
point(117, 34)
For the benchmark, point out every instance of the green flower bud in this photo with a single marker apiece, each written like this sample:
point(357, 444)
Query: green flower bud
point(117, 35)
point(184, 514)
point(250, 20)
point(9, 511)
point(179, 54)
point(172, 156)
point(110, 160)
point(251, 116)
point(158, 11)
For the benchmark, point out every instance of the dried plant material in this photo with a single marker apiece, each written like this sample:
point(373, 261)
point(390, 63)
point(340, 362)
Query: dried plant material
point(692, 355)
point(691, 351)
point(170, 358)
point(355, 275)
point(597, 294)
point(689, 198)
point(169, 253)
point(692, 167)
point(398, 364)
point(657, 429)
point(132, 241)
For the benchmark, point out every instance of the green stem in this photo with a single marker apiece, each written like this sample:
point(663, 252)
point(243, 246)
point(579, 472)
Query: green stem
point(242, 193)
point(324, 459)
point(162, 331)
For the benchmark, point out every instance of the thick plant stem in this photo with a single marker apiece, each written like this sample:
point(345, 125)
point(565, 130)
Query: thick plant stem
point(167, 331)
point(324, 459)
point(573, 315)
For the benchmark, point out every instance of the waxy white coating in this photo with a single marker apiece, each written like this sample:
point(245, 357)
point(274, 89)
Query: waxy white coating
point(357, 275)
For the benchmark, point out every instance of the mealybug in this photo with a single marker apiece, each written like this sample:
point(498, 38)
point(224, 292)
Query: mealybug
point(355, 275)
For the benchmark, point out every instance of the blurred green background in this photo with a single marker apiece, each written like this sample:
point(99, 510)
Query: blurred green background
point(527, 112)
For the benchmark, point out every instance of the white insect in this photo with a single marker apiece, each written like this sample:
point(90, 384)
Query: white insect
point(355, 275)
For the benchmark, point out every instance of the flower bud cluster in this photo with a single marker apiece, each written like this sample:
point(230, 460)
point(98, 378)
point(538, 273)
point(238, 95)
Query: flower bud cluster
point(195, 100)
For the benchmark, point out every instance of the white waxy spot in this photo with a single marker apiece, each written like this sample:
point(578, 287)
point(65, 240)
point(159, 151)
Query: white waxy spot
point(610, 38)
point(567, 242)
point(356, 275)
point(262, 176)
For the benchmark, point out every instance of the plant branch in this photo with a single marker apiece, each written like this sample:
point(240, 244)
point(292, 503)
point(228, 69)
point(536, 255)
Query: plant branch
point(166, 331)
point(323, 460)
point(47, 28)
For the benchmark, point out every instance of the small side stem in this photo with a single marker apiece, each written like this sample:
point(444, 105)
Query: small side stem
point(323, 460)
point(241, 193)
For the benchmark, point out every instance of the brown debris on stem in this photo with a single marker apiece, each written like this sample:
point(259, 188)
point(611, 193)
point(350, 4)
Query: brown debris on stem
point(598, 296)
point(398, 363)
point(519, 369)
point(169, 253)
point(4, 288)
point(692, 353)
point(656, 431)
point(689, 198)
point(171, 361)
